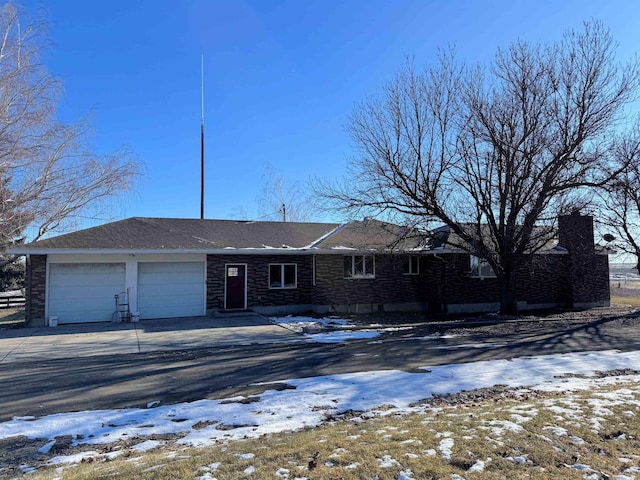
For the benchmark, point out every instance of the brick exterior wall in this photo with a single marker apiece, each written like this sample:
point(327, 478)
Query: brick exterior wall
point(390, 285)
point(258, 291)
point(443, 280)
point(35, 289)
point(541, 280)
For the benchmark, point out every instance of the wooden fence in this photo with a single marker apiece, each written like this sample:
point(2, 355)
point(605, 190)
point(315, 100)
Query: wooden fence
point(17, 301)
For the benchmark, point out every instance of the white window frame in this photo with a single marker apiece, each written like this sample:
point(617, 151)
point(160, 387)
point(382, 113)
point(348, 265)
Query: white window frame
point(369, 266)
point(410, 259)
point(282, 285)
point(480, 268)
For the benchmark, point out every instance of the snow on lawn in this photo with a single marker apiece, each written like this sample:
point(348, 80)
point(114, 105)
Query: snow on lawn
point(298, 323)
point(315, 398)
point(306, 324)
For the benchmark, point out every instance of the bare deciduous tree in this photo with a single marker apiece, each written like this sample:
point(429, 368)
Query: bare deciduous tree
point(494, 153)
point(48, 174)
point(620, 207)
point(281, 199)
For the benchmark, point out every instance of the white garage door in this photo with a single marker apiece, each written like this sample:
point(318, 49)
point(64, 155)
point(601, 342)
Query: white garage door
point(171, 289)
point(84, 292)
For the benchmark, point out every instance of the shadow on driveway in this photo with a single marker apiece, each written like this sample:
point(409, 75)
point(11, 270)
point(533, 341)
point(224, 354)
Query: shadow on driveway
point(106, 338)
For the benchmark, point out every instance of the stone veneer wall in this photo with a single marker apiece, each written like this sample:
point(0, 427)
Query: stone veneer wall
point(35, 287)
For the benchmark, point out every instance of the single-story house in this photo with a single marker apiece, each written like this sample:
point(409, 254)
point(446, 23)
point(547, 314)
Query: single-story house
point(172, 268)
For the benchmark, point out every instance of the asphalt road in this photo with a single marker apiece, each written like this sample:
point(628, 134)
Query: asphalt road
point(133, 380)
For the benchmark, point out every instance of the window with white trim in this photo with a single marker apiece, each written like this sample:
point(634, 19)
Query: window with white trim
point(359, 266)
point(283, 275)
point(480, 268)
point(412, 265)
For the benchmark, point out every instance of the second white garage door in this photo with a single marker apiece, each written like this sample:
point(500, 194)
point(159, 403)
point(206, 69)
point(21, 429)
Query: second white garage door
point(171, 289)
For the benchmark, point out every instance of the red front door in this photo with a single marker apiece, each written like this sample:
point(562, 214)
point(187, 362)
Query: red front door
point(236, 284)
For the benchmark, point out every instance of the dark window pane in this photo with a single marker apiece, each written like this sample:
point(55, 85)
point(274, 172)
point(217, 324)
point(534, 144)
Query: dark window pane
point(348, 266)
point(275, 274)
point(290, 276)
point(415, 262)
point(359, 265)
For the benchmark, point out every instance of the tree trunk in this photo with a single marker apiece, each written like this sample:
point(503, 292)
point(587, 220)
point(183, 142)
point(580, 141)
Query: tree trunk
point(508, 295)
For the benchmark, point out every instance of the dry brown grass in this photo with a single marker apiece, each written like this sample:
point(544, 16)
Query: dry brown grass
point(625, 292)
point(514, 438)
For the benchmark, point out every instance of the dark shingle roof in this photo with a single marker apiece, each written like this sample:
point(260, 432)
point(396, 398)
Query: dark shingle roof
point(188, 234)
point(371, 234)
point(140, 234)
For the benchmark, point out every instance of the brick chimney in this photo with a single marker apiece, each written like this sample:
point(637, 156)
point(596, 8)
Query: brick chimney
point(588, 271)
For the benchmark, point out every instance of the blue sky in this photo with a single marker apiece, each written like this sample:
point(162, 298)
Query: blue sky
point(281, 77)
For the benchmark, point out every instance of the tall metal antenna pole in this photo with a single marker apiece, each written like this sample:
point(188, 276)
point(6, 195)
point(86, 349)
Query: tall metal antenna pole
point(202, 147)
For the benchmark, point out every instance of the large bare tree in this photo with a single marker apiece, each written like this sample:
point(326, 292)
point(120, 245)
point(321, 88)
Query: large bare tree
point(48, 174)
point(494, 152)
point(619, 211)
point(283, 199)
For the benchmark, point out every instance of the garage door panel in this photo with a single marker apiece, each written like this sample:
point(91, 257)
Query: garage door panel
point(86, 291)
point(171, 289)
point(80, 293)
point(167, 301)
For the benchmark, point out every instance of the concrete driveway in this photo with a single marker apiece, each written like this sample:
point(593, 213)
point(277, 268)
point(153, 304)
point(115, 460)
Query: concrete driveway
point(91, 339)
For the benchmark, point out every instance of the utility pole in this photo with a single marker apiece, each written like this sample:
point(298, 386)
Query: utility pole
point(284, 212)
point(202, 147)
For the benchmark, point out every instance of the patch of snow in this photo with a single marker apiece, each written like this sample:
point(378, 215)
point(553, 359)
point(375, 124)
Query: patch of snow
point(555, 429)
point(146, 446)
point(75, 458)
point(249, 470)
point(405, 475)
point(387, 461)
point(445, 447)
point(212, 467)
point(520, 418)
point(338, 337)
point(498, 427)
point(296, 408)
point(153, 404)
point(521, 460)
point(581, 468)
point(246, 456)
point(46, 447)
point(479, 466)
point(206, 476)
point(302, 321)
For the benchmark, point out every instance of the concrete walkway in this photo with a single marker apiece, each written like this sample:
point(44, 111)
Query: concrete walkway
point(91, 339)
